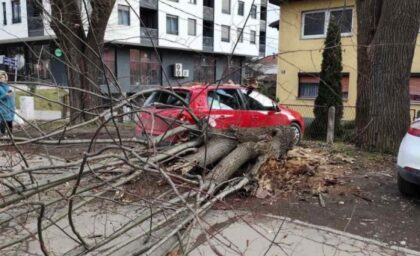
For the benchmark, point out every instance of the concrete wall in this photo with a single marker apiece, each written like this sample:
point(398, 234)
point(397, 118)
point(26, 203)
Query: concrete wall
point(235, 21)
point(13, 31)
point(184, 10)
point(122, 33)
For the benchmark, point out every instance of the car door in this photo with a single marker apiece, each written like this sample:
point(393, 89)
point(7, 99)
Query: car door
point(263, 111)
point(225, 108)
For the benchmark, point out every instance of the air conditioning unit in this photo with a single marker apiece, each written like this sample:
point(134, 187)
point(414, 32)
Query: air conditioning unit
point(185, 73)
point(178, 70)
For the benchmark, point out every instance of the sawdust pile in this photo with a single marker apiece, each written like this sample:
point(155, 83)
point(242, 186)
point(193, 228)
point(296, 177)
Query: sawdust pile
point(304, 171)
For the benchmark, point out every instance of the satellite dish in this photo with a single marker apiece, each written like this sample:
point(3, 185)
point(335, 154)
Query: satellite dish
point(20, 61)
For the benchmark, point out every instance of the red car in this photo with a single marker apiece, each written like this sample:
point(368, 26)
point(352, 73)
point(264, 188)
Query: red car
point(223, 105)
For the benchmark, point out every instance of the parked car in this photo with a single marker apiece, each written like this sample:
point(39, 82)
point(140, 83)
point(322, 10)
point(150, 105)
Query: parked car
point(408, 163)
point(223, 105)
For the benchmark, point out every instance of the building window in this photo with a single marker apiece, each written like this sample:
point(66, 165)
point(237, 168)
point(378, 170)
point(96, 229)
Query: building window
point(192, 1)
point(309, 85)
point(315, 23)
point(16, 14)
point(240, 35)
point(108, 57)
point(123, 15)
point(4, 14)
point(344, 18)
point(226, 6)
point(144, 68)
point(241, 8)
point(38, 63)
point(171, 24)
point(253, 39)
point(192, 27)
point(225, 33)
point(254, 11)
point(204, 69)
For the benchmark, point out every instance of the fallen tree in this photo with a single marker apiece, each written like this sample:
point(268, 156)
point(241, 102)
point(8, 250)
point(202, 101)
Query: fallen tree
point(198, 173)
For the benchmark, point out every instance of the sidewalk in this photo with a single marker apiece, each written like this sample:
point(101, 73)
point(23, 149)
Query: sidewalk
point(247, 234)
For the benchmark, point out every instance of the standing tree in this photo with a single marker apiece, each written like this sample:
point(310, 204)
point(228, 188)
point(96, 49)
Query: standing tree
point(81, 38)
point(329, 93)
point(387, 33)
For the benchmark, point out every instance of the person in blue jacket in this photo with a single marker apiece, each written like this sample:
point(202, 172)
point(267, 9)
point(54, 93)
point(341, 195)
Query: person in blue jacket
point(7, 105)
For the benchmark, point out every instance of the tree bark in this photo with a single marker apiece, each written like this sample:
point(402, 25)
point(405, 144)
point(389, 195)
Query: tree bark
point(82, 47)
point(387, 33)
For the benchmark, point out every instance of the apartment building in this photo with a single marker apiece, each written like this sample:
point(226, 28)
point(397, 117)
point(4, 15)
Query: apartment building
point(302, 31)
point(148, 42)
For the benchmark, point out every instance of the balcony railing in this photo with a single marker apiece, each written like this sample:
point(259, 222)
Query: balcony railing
point(208, 43)
point(263, 25)
point(150, 4)
point(208, 13)
point(149, 36)
point(35, 26)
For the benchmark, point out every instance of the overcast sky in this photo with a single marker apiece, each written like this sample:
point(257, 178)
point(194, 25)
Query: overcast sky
point(272, 33)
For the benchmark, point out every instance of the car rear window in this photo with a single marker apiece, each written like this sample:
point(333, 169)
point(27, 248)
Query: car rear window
point(164, 99)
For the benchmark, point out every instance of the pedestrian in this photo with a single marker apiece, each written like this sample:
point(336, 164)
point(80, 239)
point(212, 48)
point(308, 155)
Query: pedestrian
point(7, 106)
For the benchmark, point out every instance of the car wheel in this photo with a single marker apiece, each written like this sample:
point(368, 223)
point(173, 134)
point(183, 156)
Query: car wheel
point(298, 133)
point(405, 187)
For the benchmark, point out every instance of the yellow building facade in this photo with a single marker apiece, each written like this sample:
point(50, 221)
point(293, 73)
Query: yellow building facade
point(303, 27)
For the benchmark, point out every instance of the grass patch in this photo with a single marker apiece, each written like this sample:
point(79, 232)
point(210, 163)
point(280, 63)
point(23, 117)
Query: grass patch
point(44, 103)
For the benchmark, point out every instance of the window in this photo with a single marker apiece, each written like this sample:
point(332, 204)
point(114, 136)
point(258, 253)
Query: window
point(226, 6)
point(144, 68)
point(254, 11)
point(253, 39)
point(309, 85)
point(240, 35)
point(192, 28)
point(257, 101)
point(241, 8)
point(166, 100)
point(192, 1)
point(108, 57)
point(4, 14)
point(344, 18)
point(415, 87)
point(16, 15)
point(123, 15)
point(225, 33)
point(225, 99)
point(204, 69)
point(171, 24)
point(315, 24)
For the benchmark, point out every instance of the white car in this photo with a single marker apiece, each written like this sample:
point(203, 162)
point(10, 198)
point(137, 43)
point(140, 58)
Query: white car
point(408, 163)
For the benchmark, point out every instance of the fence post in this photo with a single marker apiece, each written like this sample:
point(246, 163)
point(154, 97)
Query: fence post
point(331, 124)
point(65, 101)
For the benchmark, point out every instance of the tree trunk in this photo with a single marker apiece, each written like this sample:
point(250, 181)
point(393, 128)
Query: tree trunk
point(82, 51)
point(387, 33)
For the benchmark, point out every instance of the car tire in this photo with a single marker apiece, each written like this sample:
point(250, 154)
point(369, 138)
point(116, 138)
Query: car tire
point(406, 188)
point(298, 133)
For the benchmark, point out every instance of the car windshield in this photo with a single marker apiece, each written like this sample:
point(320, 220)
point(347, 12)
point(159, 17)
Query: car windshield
point(164, 99)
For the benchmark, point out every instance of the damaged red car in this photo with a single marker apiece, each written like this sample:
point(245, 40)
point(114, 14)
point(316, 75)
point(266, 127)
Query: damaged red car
point(223, 106)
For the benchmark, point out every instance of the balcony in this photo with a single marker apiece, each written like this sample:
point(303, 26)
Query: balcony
point(208, 43)
point(263, 25)
point(262, 50)
point(150, 4)
point(35, 26)
point(263, 2)
point(208, 13)
point(149, 36)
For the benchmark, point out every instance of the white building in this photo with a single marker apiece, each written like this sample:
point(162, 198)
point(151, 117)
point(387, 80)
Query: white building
point(198, 34)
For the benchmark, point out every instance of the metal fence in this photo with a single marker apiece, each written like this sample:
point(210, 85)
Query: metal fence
point(347, 122)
